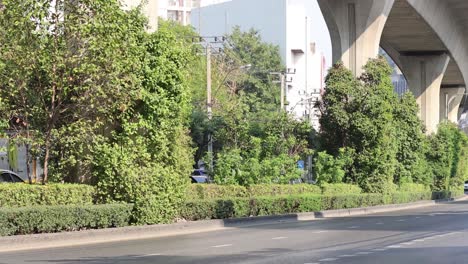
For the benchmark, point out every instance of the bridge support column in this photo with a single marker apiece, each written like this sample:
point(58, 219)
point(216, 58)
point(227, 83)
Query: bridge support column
point(355, 29)
point(450, 99)
point(424, 74)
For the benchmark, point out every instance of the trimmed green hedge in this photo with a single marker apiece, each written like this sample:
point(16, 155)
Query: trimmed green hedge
point(262, 206)
point(413, 187)
point(214, 191)
point(19, 195)
point(282, 189)
point(49, 219)
point(340, 189)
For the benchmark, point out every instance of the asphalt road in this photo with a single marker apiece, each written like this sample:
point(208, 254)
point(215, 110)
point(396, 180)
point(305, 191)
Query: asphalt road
point(435, 234)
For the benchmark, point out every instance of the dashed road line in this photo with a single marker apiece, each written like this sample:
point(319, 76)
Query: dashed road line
point(346, 256)
point(401, 220)
point(221, 246)
point(318, 232)
point(394, 246)
point(279, 238)
point(379, 223)
point(328, 259)
point(353, 227)
point(379, 249)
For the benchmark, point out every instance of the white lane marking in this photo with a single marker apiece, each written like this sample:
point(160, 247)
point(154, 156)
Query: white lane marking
point(221, 246)
point(328, 259)
point(321, 231)
point(363, 253)
point(353, 227)
point(312, 263)
point(407, 243)
point(346, 256)
point(417, 217)
point(279, 238)
point(379, 223)
point(148, 255)
point(418, 240)
point(394, 246)
point(379, 249)
point(401, 220)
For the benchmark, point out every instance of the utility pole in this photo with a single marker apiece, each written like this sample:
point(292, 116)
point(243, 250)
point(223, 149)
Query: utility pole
point(209, 109)
point(283, 75)
point(283, 87)
point(210, 43)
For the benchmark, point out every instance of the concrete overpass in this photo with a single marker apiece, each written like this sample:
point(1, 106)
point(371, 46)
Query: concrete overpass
point(428, 40)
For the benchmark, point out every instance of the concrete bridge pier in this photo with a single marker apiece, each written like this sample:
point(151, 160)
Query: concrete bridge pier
point(424, 74)
point(450, 99)
point(355, 29)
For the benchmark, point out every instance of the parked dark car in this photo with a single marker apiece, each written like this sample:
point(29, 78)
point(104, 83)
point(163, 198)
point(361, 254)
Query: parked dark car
point(7, 176)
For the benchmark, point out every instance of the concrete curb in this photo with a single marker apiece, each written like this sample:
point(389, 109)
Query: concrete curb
point(42, 241)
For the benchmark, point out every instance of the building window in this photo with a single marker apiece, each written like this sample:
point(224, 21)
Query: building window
point(175, 15)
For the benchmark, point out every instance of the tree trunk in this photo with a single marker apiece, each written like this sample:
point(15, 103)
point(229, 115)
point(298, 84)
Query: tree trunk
point(46, 161)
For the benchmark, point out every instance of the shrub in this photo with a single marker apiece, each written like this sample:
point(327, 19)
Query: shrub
point(340, 189)
point(48, 219)
point(214, 191)
point(18, 195)
point(282, 189)
point(413, 187)
point(264, 206)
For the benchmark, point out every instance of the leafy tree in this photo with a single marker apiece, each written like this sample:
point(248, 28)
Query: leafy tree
point(412, 142)
point(447, 157)
point(358, 114)
point(64, 67)
point(148, 157)
point(336, 108)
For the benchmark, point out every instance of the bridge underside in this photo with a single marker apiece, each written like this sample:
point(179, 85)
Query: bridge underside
point(428, 40)
point(408, 34)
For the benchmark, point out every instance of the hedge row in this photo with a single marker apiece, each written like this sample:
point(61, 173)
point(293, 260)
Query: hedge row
point(340, 189)
point(261, 206)
point(19, 195)
point(213, 191)
point(49, 219)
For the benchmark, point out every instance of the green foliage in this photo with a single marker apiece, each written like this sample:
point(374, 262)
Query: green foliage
point(412, 143)
point(329, 169)
point(148, 157)
point(213, 191)
point(253, 142)
point(79, 60)
point(264, 206)
point(447, 157)
point(282, 189)
point(413, 187)
point(19, 195)
point(49, 219)
point(340, 188)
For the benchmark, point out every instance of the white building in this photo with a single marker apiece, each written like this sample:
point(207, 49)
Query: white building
point(176, 10)
point(296, 26)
